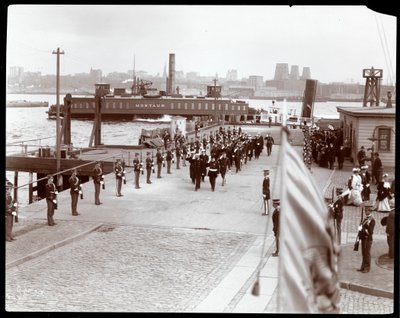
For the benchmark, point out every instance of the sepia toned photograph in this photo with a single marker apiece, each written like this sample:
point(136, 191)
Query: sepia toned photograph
point(200, 159)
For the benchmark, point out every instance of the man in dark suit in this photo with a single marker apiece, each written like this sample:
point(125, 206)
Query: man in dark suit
point(270, 142)
point(340, 156)
point(197, 170)
point(376, 168)
point(51, 199)
point(266, 192)
point(275, 222)
point(365, 234)
point(75, 188)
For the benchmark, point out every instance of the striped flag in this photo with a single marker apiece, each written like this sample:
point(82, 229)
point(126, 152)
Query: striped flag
point(308, 281)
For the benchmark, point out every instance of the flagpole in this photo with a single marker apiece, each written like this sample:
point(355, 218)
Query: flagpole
point(284, 140)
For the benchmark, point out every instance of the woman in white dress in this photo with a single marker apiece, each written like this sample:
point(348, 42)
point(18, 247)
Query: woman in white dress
point(383, 196)
point(355, 188)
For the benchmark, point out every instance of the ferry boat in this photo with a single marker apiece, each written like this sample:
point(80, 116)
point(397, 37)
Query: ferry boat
point(118, 104)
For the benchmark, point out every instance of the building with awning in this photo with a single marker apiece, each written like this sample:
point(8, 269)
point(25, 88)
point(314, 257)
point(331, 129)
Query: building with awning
point(371, 127)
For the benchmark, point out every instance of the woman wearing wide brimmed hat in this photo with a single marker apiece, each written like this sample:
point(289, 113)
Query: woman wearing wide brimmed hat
point(383, 196)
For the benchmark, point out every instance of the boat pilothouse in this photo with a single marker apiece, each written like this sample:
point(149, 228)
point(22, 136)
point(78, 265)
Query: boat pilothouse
point(275, 115)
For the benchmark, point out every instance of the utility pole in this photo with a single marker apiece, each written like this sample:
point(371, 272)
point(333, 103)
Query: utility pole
point(215, 99)
point(58, 142)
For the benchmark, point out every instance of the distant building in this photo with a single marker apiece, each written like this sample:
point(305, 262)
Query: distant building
point(256, 81)
point(192, 76)
point(15, 76)
point(306, 73)
point(281, 71)
point(231, 75)
point(96, 75)
point(294, 72)
point(179, 75)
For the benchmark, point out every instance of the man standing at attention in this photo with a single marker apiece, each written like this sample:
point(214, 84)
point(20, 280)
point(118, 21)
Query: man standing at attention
point(266, 192)
point(97, 178)
point(365, 233)
point(136, 170)
point(160, 160)
point(74, 185)
point(149, 166)
point(119, 175)
point(275, 223)
point(51, 199)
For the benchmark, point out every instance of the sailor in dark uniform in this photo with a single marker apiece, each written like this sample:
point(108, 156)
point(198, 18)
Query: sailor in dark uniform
point(237, 153)
point(275, 223)
point(149, 166)
point(266, 192)
point(184, 154)
point(223, 165)
point(75, 190)
point(137, 167)
point(365, 234)
point(270, 142)
point(169, 157)
point(213, 172)
point(197, 170)
point(10, 212)
point(160, 160)
point(119, 176)
point(51, 199)
point(97, 179)
point(204, 162)
point(178, 154)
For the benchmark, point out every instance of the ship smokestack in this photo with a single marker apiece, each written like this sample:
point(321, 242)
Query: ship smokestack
point(171, 74)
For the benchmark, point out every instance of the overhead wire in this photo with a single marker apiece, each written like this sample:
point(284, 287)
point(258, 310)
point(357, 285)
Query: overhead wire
point(383, 48)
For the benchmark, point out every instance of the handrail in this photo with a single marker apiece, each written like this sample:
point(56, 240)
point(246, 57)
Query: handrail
point(22, 141)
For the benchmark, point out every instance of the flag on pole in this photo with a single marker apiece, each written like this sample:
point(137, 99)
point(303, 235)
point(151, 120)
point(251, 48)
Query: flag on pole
point(308, 281)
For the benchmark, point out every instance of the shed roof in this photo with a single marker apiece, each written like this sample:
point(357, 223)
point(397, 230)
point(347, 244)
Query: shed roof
point(368, 111)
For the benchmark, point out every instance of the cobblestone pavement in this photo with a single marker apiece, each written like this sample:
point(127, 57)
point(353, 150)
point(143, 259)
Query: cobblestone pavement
point(128, 269)
point(150, 263)
point(41, 236)
point(351, 302)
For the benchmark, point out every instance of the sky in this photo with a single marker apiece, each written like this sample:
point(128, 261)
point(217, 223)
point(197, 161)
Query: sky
point(336, 42)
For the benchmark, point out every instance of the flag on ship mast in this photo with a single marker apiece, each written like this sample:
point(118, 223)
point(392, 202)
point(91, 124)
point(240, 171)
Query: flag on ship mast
point(308, 280)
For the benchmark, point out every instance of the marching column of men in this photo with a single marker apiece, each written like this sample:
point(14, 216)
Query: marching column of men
point(227, 149)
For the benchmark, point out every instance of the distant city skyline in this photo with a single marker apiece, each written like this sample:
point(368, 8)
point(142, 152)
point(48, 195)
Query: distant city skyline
point(335, 42)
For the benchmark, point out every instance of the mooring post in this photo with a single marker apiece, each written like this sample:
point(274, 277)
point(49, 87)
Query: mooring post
point(30, 187)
